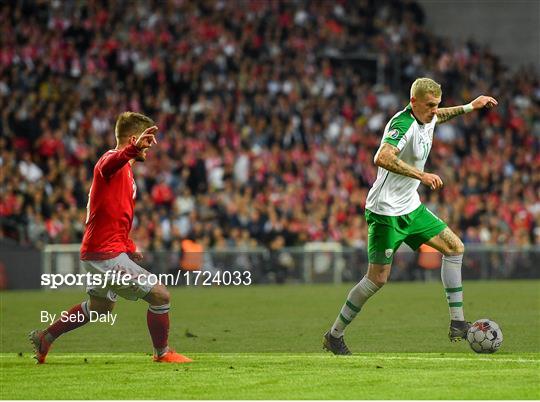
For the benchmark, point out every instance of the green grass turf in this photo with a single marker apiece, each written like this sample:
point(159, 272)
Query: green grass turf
point(264, 342)
point(274, 376)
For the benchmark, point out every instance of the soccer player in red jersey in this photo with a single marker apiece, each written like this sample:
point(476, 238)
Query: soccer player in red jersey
point(106, 246)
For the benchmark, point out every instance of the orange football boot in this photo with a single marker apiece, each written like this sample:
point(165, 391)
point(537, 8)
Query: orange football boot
point(172, 357)
point(40, 345)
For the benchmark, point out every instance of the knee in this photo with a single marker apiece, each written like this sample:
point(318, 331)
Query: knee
point(456, 248)
point(100, 307)
point(378, 279)
point(159, 296)
point(381, 282)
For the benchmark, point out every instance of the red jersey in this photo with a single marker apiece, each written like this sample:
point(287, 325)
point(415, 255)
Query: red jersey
point(110, 206)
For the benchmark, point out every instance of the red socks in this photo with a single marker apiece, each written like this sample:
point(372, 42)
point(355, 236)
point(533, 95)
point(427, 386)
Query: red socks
point(76, 317)
point(158, 325)
point(157, 319)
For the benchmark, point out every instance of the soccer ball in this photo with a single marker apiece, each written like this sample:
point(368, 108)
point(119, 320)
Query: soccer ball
point(485, 336)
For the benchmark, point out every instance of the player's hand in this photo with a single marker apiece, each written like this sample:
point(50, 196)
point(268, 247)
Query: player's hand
point(433, 181)
point(137, 256)
point(146, 139)
point(484, 101)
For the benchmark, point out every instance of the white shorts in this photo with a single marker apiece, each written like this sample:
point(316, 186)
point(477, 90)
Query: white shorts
point(134, 289)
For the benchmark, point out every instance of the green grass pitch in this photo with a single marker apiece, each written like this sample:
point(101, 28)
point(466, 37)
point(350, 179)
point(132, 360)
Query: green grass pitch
point(264, 342)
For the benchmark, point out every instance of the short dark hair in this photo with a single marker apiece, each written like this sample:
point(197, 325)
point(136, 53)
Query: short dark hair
point(131, 123)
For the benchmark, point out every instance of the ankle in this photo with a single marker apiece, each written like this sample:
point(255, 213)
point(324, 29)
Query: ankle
point(160, 352)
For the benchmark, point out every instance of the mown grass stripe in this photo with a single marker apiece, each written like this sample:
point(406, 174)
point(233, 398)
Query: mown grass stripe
point(282, 355)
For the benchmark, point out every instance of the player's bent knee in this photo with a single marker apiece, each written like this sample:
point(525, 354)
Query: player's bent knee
point(456, 249)
point(378, 274)
point(380, 282)
point(158, 296)
point(378, 279)
point(101, 306)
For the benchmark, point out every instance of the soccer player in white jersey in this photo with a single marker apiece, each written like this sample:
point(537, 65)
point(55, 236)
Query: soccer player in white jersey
point(394, 213)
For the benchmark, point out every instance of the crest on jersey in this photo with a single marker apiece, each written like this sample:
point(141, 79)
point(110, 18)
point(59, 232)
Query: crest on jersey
point(388, 252)
point(393, 134)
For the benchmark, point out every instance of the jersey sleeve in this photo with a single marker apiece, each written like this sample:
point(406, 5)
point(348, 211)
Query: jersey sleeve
point(111, 162)
point(397, 131)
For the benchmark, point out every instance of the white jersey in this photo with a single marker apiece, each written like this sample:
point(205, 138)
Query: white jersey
point(394, 194)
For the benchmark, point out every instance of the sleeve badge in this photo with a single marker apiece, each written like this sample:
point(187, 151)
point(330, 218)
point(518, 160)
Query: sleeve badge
point(394, 134)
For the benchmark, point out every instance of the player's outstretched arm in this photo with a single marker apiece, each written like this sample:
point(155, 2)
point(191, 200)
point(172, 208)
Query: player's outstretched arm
point(387, 158)
point(447, 113)
point(113, 161)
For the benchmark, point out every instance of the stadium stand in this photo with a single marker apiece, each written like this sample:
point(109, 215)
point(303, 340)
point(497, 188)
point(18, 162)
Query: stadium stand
point(267, 129)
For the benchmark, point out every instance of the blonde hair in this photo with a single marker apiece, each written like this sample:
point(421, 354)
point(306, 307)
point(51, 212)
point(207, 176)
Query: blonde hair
point(131, 123)
point(422, 86)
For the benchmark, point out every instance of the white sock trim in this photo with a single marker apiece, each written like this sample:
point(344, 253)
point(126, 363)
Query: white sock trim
point(164, 309)
point(161, 352)
point(368, 285)
point(84, 307)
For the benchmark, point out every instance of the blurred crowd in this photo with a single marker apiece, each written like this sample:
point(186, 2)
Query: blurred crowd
point(267, 127)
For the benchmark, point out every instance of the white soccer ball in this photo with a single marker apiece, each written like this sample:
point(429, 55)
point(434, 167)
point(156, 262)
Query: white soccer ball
point(485, 336)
